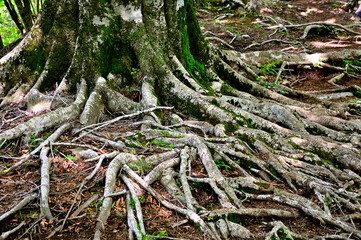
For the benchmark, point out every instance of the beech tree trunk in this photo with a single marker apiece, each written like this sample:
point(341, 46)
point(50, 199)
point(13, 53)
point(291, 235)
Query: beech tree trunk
point(14, 16)
point(350, 5)
point(1, 43)
point(25, 13)
point(282, 151)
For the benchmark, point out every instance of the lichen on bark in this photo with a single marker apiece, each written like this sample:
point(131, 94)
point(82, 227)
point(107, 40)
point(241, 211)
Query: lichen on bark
point(265, 136)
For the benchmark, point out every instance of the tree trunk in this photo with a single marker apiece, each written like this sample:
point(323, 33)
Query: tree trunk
point(96, 48)
point(350, 5)
point(255, 5)
point(10, 7)
point(37, 6)
point(1, 43)
point(25, 13)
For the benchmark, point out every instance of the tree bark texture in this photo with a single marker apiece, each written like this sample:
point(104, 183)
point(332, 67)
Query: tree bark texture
point(25, 13)
point(89, 50)
point(10, 7)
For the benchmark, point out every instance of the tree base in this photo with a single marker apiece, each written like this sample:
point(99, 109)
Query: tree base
point(244, 142)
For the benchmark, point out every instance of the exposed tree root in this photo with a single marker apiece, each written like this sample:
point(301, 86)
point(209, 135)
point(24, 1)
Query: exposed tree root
point(313, 25)
point(5, 235)
point(18, 207)
point(280, 227)
point(243, 142)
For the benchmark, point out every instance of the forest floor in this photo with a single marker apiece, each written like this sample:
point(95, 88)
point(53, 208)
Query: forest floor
point(244, 30)
point(239, 30)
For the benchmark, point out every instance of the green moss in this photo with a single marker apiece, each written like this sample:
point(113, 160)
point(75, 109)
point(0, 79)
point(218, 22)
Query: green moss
point(314, 131)
point(294, 145)
point(121, 60)
point(350, 63)
point(35, 59)
point(196, 39)
point(227, 90)
point(245, 121)
point(263, 184)
point(357, 93)
point(248, 190)
point(230, 77)
point(230, 127)
point(48, 13)
point(58, 62)
point(194, 52)
point(194, 110)
point(195, 68)
point(118, 56)
point(323, 154)
point(329, 158)
point(235, 218)
point(273, 171)
point(159, 114)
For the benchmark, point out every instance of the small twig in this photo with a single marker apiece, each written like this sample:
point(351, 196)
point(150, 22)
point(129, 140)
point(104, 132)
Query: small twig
point(223, 16)
point(55, 92)
point(335, 79)
point(105, 155)
point(234, 38)
point(116, 194)
point(137, 205)
point(322, 64)
point(80, 188)
point(106, 123)
point(50, 139)
point(211, 33)
point(308, 29)
point(269, 41)
point(220, 40)
point(28, 229)
point(297, 81)
point(75, 145)
point(82, 207)
point(280, 71)
point(318, 23)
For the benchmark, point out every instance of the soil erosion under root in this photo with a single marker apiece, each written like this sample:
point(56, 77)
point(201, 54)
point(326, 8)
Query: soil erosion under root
point(202, 119)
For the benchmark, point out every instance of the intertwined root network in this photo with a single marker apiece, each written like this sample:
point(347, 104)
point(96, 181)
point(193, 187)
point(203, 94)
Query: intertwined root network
point(283, 146)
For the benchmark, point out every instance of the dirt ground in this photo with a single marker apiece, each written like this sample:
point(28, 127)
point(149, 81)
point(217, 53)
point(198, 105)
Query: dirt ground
point(242, 30)
point(239, 30)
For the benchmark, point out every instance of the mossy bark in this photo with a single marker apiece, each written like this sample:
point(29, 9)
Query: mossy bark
point(104, 44)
